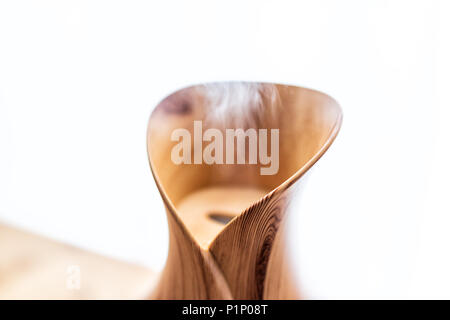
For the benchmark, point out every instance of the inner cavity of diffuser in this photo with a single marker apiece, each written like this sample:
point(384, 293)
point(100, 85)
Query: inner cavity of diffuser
point(207, 211)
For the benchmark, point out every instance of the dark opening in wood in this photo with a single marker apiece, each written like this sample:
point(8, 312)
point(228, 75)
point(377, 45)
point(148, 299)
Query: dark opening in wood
point(220, 217)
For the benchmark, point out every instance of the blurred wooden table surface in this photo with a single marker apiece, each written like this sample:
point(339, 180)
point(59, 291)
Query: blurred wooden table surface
point(34, 267)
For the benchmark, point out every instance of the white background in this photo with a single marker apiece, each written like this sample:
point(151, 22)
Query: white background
point(78, 80)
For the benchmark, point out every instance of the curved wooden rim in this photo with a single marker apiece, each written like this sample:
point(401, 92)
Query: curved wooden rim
point(331, 137)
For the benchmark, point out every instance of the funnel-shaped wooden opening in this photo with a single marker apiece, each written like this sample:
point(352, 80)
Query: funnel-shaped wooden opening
point(306, 121)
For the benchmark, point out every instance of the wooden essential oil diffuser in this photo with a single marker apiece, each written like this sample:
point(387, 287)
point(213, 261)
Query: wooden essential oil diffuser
point(227, 222)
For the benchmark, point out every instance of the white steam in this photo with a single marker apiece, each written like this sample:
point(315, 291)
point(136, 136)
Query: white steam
point(240, 104)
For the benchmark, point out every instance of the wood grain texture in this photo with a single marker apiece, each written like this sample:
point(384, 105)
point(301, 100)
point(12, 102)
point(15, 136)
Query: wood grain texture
point(246, 258)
